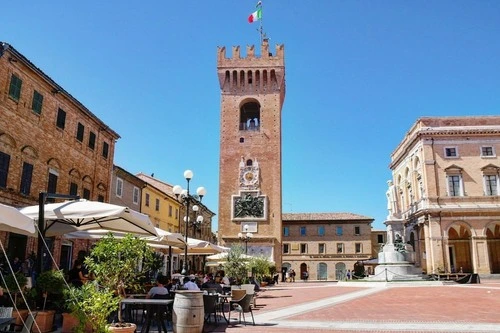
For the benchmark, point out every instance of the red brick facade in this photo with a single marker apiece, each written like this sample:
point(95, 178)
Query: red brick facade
point(252, 95)
point(31, 136)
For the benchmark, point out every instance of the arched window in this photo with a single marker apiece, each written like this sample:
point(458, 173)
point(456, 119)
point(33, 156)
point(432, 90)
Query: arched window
point(250, 117)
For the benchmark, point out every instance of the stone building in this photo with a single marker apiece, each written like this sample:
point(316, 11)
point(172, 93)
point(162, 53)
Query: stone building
point(49, 142)
point(161, 204)
point(252, 96)
point(445, 175)
point(126, 189)
point(325, 245)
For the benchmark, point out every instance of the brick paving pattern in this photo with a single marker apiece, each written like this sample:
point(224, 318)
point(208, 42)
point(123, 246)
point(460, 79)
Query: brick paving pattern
point(327, 307)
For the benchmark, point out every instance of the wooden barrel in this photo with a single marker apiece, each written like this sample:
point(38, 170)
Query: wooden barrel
point(188, 311)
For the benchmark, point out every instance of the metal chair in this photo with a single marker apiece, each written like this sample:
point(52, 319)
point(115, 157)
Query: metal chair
point(28, 324)
point(241, 306)
point(210, 306)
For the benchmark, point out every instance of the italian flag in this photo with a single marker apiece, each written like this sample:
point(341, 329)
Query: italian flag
point(255, 16)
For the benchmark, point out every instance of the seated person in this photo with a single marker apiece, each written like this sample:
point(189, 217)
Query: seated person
point(160, 288)
point(189, 284)
point(76, 276)
point(211, 284)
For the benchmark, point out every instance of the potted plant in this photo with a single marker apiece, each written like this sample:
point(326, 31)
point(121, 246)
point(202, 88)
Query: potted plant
point(236, 265)
point(261, 267)
point(15, 284)
point(118, 264)
point(89, 308)
point(49, 282)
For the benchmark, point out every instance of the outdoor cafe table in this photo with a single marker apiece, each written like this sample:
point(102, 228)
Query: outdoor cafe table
point(5, 322)
point(149, 314)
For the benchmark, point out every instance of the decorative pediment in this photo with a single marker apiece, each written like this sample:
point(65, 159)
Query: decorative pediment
point(490, 167)
point(453, 167)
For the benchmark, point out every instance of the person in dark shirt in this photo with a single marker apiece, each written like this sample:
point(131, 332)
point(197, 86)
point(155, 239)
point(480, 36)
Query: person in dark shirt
point(16, 265)
point(211, 284)
point(75, 276)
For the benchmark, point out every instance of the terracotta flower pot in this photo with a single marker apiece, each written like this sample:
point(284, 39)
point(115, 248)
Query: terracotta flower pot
point(44, 321)
point(21, 313)
point(123, 329)
point(70, 322)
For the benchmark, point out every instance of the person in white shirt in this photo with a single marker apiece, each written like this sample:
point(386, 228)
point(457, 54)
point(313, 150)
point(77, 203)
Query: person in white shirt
point(190, 285)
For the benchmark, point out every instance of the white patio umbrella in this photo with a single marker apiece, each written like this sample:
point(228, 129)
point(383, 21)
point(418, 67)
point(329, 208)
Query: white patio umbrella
point(201, 247)
point(78, 215)
point(165, 239)
point(220, 257)
point(12, 220)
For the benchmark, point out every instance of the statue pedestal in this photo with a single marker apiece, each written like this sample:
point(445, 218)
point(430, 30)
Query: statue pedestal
point(396, 261)
point(396, 265)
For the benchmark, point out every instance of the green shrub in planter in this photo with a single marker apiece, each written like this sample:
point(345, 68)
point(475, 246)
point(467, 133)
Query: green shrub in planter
point(91, 304)
point(15, 284)
point(50, 282)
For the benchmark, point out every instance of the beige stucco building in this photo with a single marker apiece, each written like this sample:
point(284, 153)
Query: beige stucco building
point(325, 245)
point(445, 175)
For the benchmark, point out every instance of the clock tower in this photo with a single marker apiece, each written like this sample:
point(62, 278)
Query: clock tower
point(252, 96)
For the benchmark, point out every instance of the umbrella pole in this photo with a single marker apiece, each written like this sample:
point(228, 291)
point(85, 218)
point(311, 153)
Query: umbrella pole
point(169, 263)
point(42, 197)
point(41, 230)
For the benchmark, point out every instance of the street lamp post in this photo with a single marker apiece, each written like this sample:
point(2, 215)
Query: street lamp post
point(185, 197)
point(245, 237)
point(199, 220)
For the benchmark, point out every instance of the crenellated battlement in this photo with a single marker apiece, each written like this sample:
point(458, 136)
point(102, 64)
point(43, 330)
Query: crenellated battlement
point(264, 73)
point(266, 56)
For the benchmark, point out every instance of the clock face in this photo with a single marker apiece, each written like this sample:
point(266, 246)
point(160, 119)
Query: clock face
point(249, 177)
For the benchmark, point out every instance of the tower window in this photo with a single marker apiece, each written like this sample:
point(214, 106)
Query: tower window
point(242, 140)
point(249, 77)
point(249, 162)
point(250, 117)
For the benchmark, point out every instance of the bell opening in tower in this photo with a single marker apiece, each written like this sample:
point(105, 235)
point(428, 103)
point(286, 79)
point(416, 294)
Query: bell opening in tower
point(250, 117)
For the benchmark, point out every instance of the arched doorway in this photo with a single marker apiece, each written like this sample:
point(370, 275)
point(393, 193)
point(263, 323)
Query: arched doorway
point(493, 238)
point(340, 271)
point(303, 268)
point(322, 271)
point(459, 248)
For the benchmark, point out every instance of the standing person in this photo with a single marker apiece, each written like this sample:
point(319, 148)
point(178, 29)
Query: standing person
point(276, 277)
point(292, 275)
point(348, 274)
point(287, 276)
point(305, 275)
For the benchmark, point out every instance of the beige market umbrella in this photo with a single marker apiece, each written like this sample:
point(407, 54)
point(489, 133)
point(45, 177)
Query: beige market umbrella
point(164, 241)
point(12, 220)
point(78, 215)
point(201, 247)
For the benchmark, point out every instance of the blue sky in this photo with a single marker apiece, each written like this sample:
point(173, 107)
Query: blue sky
point(358, 75)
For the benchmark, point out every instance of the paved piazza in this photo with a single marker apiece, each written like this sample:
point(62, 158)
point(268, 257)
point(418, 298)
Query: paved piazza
point(374, 307)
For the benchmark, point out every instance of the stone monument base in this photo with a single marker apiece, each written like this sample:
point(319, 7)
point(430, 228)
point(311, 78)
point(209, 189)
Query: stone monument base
point(398, 271)
point(395, 266)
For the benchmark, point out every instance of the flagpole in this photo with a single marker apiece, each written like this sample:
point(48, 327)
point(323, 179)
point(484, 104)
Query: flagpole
point(261, 19)
point(261, 28)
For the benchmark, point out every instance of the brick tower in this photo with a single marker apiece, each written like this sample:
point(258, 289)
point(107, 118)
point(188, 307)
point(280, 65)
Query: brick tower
point(252, 95)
